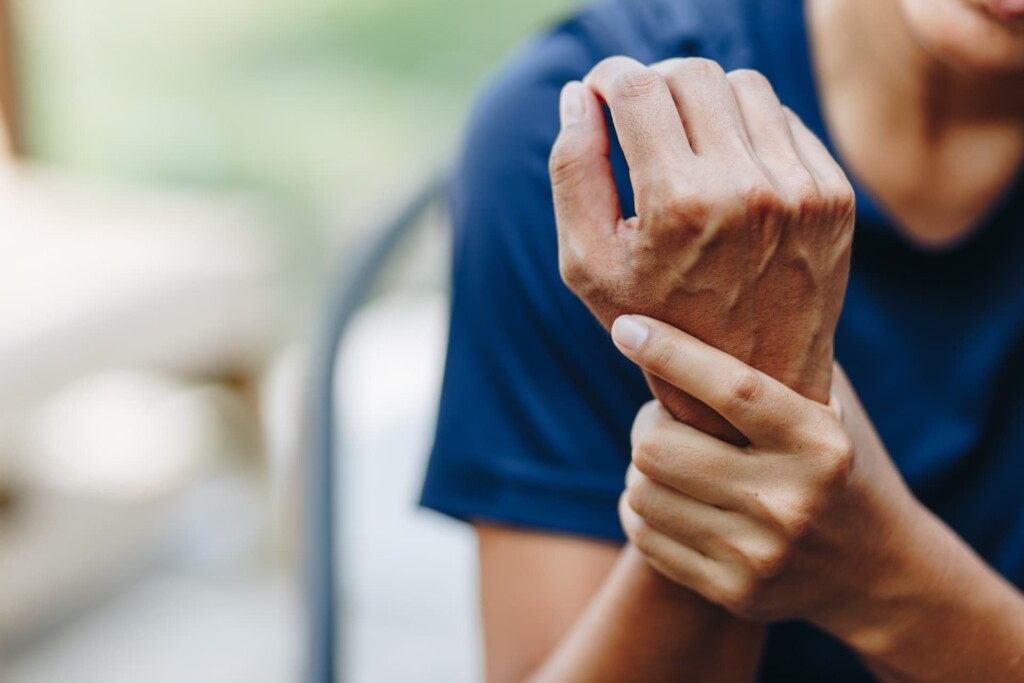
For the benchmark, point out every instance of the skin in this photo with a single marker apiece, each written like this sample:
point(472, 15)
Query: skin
point(600, 615)
point(924, 100)
point(936, 141)
point(744, 222)
point(810, 520)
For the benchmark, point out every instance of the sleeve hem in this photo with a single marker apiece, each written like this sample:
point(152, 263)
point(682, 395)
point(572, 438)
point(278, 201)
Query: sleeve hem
point(584, 513)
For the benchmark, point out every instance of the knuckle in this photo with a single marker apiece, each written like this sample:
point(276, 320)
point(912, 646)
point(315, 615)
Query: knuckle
point(605, 64)
point(800, 516)
point(564, 162)
point(749, 78)
point(805, 199)
point(643, 417)
point(758, 500)
point(840, 445)
point(571, 269)
point(741, 595)
point(668, 68)
point(636, 84)
point(744, 387)
point(758, 198)
point(837, 458)
point(649, 454)
point(648, 415)
point(703, 67)
point(766, 560)
point(844, 197)
point(677, 208)
point(667, 189)
point(572, 263)
point(642, 537)
point(794, 120)
point(640, 496)
point(613, 64)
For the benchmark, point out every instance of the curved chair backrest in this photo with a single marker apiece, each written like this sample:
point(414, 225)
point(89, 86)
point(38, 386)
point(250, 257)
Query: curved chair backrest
point(349, 292)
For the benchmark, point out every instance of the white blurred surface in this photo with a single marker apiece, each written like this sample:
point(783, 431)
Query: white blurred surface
point(217, 611)
point(211, 608)
point(130, 322)
point(95, 277)
point(237, 631)
point(410, 575)
point(121, 435)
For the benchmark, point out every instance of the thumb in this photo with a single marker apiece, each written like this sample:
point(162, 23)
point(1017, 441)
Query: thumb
point(583, 187)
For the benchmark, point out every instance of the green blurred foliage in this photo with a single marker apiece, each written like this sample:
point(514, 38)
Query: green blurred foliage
point(329, 105)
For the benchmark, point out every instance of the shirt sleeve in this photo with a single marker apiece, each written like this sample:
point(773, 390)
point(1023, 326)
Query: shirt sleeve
point(536, 404)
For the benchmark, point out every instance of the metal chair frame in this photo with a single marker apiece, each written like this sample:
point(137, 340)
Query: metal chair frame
point(350, 291)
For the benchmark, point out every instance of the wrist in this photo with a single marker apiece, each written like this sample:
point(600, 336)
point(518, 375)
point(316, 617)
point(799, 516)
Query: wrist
point(933, 605)
point(717, 645)
point(900, 584)
point(809, 373)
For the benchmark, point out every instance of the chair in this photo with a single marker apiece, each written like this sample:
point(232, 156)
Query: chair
point(356, 279)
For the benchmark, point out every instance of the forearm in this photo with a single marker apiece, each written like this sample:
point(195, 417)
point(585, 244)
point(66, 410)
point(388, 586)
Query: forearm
point(947, 617)
point(641, 626)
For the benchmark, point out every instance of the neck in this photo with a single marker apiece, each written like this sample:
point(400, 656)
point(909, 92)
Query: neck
point(935, 145)
point(870, 42)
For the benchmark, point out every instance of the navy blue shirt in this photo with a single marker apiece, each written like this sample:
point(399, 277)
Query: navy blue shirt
point(533, 428)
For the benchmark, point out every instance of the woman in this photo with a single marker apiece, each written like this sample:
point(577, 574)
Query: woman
point(774, 535)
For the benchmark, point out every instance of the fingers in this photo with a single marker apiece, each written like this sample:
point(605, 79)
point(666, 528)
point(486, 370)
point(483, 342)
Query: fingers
point(706, 104)
point(583, 186)
point(684, 565)
point(767, 125)
point(645, 117)
point(686, 520)
point(760, 407)
point(692, 462)
point(818, 160)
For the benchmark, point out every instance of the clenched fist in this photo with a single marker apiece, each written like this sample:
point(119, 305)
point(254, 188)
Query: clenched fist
point(743, 227)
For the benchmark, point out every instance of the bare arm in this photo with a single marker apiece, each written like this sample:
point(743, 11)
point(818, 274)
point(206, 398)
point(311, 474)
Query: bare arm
point(562, 609)
point(742, 236)
point(533, 586)
point(958, 620)
point(833, 536)
point(743, 228)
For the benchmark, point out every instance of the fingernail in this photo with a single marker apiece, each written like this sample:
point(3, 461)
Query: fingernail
point(629, 332)
point(571, 104)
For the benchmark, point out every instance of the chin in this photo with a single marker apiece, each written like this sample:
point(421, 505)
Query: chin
point(968, 36)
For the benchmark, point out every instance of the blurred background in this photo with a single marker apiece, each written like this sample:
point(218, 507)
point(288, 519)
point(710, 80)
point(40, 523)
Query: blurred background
point(180, 182)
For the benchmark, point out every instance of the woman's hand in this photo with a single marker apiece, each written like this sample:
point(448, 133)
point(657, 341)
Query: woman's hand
point(743, 227)
point(810, 520)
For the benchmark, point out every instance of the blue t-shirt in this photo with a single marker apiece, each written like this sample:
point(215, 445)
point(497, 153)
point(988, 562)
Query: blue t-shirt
point(533, 428)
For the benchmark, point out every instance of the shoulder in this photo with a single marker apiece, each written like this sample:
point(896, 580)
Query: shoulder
point(528, 433)
point(515, 119)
